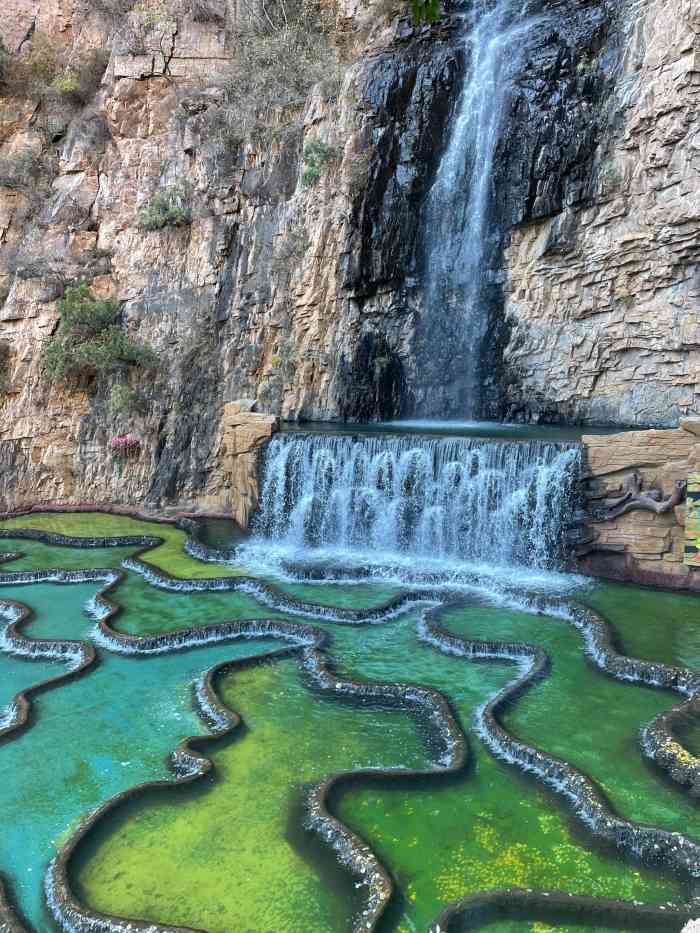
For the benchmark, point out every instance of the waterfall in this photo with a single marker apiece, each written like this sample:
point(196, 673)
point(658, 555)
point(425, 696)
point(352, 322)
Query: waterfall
point(461, 238)
point(419, 502)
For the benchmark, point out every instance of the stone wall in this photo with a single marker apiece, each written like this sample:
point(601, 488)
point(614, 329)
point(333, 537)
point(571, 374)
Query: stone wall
point(631, 484)
point(603, 297)
point(234, 479)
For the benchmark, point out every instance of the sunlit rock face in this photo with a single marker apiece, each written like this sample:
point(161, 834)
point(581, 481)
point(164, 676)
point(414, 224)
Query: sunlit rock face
point(602, 296)
point(312, 300)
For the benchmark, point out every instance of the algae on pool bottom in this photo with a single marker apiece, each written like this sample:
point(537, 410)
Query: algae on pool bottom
point(38, 556)
point(169, 556)
point(214, 857)
point(494, 827)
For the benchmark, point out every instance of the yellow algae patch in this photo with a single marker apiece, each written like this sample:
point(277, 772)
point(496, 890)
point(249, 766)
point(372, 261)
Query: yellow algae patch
point(168, 556)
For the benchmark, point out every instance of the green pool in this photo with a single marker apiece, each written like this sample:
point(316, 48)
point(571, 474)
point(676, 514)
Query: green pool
point(232, 851)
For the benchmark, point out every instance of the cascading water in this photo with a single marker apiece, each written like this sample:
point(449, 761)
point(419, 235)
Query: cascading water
point(462, 239)
point(428, 506)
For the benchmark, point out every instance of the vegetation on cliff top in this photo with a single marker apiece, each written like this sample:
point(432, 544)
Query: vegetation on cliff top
point(90, 341)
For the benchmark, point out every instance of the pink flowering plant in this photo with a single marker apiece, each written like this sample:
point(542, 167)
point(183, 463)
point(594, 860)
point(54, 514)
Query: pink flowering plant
point(124, 447)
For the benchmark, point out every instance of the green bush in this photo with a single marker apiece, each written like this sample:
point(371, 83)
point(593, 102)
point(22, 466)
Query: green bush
point(90, 341)
point(167, 207)
point(79, 84)
point(426, 11)
point(317, 156)
point(123, 400)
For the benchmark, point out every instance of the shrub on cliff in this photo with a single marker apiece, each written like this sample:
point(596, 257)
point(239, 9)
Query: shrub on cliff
point(317, 157)
point(80, 82)
point(4, 370)
point(30, 73)
point(90, 340)
point(47, 70)
point(4, 61)
point(208, 11)
point(22, 169)
point(168, 207)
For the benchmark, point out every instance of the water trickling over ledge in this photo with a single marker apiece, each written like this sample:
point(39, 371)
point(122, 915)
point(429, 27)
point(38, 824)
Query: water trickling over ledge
point(422, 509)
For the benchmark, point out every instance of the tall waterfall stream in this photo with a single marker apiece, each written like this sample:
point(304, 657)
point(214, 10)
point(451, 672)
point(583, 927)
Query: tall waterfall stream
point(459, 241)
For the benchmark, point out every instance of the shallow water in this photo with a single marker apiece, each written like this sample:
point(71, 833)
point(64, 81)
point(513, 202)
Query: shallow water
point(210, 855)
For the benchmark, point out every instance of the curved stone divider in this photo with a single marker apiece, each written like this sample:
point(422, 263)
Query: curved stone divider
point(279, 601)
point(657, 739)
point(472, 913)
point(145, 542)
point(7, 557)
point(188, 764)
point(9, 921)
point(658, 743)
point(79, 655)
point(264, 593)
point(590, 806)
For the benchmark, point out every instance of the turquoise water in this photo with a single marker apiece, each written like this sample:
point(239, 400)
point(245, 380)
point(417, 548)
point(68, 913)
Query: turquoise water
point(91, 739)
point(210, 854)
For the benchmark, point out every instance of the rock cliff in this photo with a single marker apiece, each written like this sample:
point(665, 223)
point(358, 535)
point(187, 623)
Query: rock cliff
point(603, 297)
point(296, 283)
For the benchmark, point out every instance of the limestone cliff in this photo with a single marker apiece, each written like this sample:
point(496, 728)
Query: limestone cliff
point(296, 284)
point(603, 297)
point(256, 297)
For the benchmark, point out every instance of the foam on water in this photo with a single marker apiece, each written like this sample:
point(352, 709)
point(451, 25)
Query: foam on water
point(418, 511)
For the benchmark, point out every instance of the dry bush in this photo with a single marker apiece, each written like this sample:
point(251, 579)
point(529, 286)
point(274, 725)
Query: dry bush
point(358, 174)
point(208, 11)
point(30, 73)
point(79, 84)
point(4, 369)
point(290, 251)
point(47, 70)
point(23, 170)
point(283, 51)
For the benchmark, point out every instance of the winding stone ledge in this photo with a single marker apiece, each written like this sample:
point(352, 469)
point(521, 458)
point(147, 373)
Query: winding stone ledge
point(472, 913)
point(80, 656)
point(674, 850)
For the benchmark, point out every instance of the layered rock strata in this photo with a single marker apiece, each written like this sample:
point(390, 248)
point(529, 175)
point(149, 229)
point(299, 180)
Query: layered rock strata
point(603, 294)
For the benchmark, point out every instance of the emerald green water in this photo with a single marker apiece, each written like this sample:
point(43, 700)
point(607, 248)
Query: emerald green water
point(229, 852)
point(91, 738)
